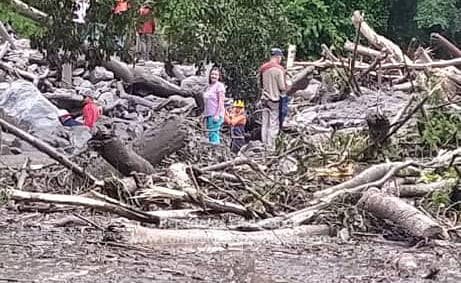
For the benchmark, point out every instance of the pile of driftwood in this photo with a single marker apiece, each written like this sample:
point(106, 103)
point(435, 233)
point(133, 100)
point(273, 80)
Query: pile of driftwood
point(387, 65)
point(163, 172)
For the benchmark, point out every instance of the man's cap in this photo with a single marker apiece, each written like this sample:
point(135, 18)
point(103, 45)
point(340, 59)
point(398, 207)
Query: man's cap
point(276, 52)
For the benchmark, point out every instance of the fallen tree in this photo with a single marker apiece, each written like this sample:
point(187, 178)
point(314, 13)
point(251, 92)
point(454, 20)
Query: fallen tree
point(388, 207)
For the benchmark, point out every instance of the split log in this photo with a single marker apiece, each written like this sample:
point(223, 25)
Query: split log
point(120, 156)
point(162, 141)
point(388, 207)
point(5, 36)
point(377, 40)
point(446, 44)
point(28, 11)
point(50, 151)
point(156, 237)
point(115, 207)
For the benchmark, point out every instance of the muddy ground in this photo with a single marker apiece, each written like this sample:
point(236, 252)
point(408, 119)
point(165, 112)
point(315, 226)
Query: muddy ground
point(33, 250)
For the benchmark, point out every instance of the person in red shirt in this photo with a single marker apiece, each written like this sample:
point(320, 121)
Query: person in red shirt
point(121, 6)
point(90, 111)
point(145, 31)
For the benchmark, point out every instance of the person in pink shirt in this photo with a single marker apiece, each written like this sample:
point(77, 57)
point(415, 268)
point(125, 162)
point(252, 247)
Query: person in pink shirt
point(214, 106)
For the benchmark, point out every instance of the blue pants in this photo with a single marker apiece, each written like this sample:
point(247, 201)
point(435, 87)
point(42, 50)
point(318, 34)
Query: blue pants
point(283, 110)
point(213, 129)
point(71, 123)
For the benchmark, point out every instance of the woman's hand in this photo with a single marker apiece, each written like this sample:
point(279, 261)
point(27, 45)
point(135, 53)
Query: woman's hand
point(215, 118)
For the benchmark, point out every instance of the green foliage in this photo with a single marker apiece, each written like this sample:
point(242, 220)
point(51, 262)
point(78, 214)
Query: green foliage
point(431, 176)
point(439, 14)
point(235, 34)
point(23, 26)
point(441, 129)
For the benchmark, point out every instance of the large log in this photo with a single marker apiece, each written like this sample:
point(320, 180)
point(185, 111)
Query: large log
point(389, 207)
point(138, 235)
point(155, 144)
point(362, 50)
point(149, 150)
point(446, 44)
point(141, 83)
point(120, 156)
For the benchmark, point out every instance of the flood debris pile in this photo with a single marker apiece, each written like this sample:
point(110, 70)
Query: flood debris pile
point(147, 161)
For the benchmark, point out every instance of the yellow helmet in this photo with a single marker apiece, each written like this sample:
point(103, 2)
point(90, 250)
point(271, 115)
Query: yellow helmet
point(238, 103)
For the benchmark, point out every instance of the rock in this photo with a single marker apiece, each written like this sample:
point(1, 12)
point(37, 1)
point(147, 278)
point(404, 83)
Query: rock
point(195, 84)
point(78, 72)
point(87, 84)
point(288, 165)
point(4, 150)
point(23, 105)
point(77, 81)
point(32, 68)
point(106, 98)
point(100, 74)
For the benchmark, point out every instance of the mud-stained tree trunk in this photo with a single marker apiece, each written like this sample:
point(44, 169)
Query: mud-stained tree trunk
point(385, 206)
point(120, 156)
point(149, 150)
point(154, 145)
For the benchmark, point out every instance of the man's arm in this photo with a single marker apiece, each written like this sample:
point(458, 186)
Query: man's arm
point(281, 81)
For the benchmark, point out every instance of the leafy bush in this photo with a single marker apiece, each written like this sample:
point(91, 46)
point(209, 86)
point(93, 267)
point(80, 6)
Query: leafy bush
point(441, 129)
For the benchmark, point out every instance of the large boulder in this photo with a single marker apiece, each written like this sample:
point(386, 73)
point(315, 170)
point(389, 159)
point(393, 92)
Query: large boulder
point(23, 105)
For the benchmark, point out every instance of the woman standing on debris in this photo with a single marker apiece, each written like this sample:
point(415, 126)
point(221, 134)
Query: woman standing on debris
point(214, 105)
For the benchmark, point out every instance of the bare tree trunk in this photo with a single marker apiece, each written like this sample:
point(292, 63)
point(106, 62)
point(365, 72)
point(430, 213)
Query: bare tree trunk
point(157, 237)
point(28, 11)
point(362, 50)
point(385, 206)
point(155, 144)
point(120, 156)
point(5, 36)
point(49, 150)
point(112, 205)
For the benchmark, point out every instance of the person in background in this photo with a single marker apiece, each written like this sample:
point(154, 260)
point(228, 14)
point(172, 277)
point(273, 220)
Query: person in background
point(214, 106)
point(145, 31)
point(90, 111)
point(272, 79)
point(121, 6)
point(237, 121)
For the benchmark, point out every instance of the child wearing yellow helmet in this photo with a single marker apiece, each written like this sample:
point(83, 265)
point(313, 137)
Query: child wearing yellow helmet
point(236, 120)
